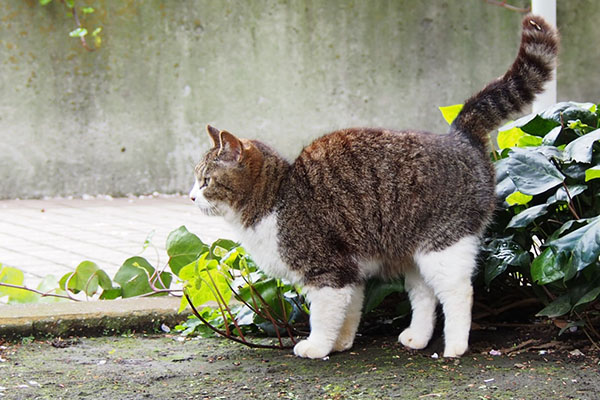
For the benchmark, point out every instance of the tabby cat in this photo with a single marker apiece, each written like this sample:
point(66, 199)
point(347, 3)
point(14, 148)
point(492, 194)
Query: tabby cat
point(363, 202)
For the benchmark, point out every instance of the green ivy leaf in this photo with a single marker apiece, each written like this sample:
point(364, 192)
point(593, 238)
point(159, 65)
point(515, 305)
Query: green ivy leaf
point(88, 10)
point(552, 136)
point(503, 252)
point(97, 37)
point(558, 307)
point(451, 112)
point(111, 294)
point(272, 292)
point(529, 140)
point(377, 290)
point(134, 276)
point(583, 244)
point(561, 193)
point(86, 278)
point(580, 149)
point(564, 112)
point(207, 284)
point(518, 198)
point(547, 267)
point(504, 185)
point(567, 226)
point(14, 276)
point(48, 285)
point(592, 173)
point(533, 124)
point(527, 216)
point(183, 248)
point(510, 137)
point(44, 2)
point(588, 297)
point(515, 136)
point(539, 126)
point(531, 171)
point(222, 248)
point(79, 32)
point(580, 127)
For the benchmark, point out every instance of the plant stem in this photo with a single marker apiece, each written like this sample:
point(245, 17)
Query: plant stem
point(78, 22)
point(490, 311)
point(212, 289)
point(570, 203)
point(548, 293)
point(233, 318)
point(158, 291)
point(233, 338)
point(508, 6)
point(66, 288)
point(43, 294)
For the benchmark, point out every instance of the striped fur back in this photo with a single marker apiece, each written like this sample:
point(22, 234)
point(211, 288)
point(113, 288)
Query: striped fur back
point(517, 88)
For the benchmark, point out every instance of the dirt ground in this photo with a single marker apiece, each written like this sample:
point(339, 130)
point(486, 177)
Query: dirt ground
point(502, 364)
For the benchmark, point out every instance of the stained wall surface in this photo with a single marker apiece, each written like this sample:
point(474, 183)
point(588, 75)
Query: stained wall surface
point(130, 117)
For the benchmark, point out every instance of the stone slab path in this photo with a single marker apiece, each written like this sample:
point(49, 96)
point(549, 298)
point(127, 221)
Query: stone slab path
point(42, 237)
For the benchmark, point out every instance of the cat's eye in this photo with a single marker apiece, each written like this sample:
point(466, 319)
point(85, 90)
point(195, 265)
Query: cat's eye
point(206, 181)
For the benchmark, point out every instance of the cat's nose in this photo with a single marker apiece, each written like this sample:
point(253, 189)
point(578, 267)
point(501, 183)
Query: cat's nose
point(192, 198)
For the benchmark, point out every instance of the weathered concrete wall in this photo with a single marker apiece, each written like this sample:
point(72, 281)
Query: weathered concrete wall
point(130, 117)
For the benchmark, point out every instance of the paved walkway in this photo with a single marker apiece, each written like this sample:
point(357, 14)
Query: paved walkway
point(43, 237)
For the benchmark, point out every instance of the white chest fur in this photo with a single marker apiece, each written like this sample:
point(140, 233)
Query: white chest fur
point(262, 244)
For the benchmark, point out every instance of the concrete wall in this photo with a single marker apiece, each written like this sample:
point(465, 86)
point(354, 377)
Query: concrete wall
point(130, 117)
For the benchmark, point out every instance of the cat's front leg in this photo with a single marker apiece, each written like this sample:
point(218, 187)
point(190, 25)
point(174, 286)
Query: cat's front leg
point(347, 333)
point(328, 310)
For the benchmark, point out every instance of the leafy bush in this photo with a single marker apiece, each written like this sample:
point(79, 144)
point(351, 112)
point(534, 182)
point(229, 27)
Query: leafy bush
point(546, 232)
point(218, 274)
point(212, 275)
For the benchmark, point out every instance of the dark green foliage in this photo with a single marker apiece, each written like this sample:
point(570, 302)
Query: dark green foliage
point(547, 229)
point(376, 291)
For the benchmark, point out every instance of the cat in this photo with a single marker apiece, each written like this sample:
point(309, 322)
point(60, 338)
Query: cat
point(362, 202)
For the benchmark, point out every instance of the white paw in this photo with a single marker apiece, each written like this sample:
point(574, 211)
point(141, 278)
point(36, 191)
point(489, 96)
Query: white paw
point(310, 349)
point(455, 349)
point(411, 339)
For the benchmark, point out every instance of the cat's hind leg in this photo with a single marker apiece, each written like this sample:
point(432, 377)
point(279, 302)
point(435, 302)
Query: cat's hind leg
point(328, 310)
point(448, 272)
point(423, 303)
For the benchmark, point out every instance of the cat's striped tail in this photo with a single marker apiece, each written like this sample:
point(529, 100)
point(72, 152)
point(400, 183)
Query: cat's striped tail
point(517, 88)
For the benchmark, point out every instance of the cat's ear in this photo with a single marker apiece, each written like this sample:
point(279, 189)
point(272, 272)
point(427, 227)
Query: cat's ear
point(214, 135)
point(230, 147)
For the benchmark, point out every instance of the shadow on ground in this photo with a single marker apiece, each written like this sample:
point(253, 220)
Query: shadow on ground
point(163, 367)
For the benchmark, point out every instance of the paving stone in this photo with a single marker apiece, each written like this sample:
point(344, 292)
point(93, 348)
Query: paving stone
point(54, 236)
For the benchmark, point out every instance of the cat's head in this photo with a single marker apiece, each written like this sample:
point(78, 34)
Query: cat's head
point(227, 173)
